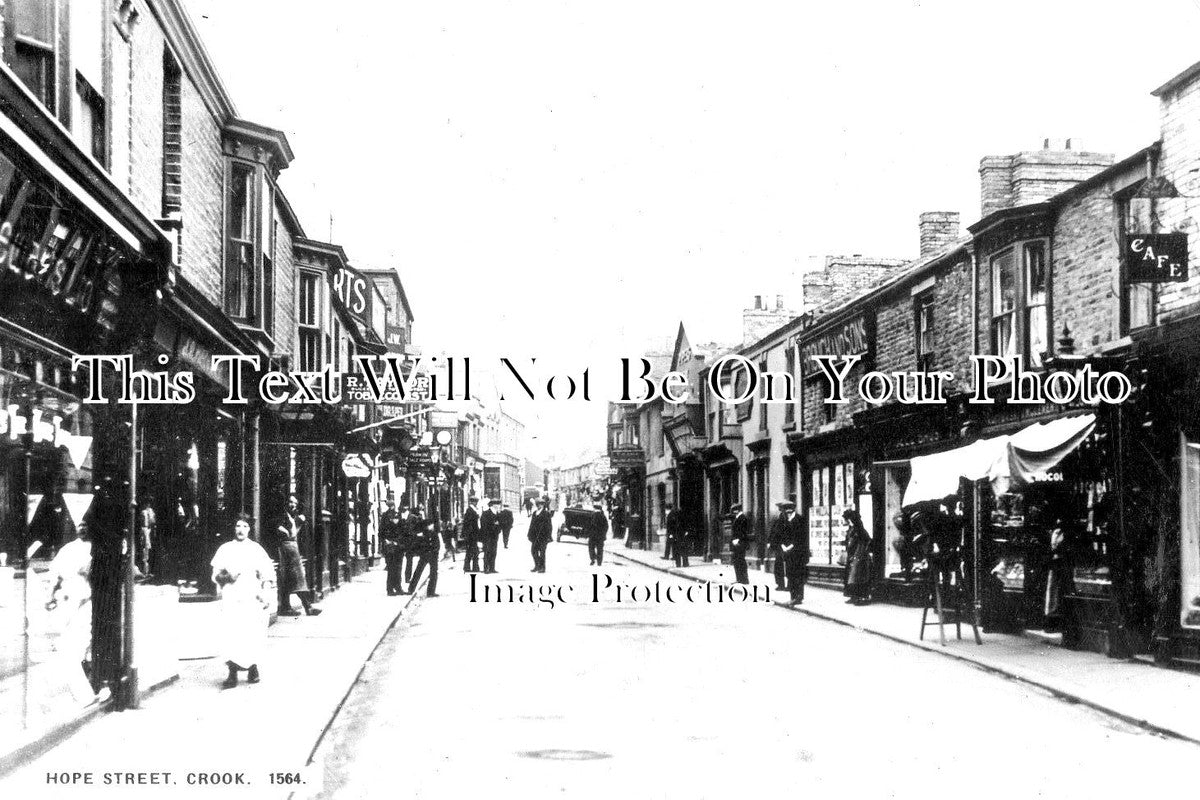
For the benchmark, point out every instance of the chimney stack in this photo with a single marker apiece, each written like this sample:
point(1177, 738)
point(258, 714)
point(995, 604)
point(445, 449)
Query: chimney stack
point(779, 302)
point(1036, 175)
point(938, 229)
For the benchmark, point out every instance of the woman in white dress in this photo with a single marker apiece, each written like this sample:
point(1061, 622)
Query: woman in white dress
point(243, 574)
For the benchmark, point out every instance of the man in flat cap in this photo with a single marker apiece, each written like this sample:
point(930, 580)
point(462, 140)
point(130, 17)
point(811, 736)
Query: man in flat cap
point(489, 534)
point(789, 532)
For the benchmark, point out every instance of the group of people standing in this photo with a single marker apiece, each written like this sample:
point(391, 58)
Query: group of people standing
point(409, 537)
point(484, 531)
point(787, 543)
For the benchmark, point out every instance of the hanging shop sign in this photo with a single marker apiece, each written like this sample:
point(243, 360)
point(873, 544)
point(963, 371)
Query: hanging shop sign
point(1156, 257)
point(355, 466)
point(352, 292)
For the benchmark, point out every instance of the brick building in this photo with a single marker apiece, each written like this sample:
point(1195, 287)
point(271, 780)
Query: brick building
point(152, 222)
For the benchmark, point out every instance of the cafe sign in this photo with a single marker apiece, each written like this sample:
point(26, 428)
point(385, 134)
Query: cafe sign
point(1156, 257)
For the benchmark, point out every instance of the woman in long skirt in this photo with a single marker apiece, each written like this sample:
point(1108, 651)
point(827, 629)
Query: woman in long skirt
point(858, 560)
point(243, 574)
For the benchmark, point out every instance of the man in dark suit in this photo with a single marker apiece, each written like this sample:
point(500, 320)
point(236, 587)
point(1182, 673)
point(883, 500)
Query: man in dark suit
point(597, 533)
point(541, 532)
point(677, 536)
point(506, 523)
point(390, 532)
point(424, 544)
point(489, 534)
point(406, 552)
point(739, 541)
point(774, 546)
point(793, 544)
point(470, 534)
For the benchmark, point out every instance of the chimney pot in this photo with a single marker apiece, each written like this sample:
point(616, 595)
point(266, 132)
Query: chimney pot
point(779, 302)
point(757, 302)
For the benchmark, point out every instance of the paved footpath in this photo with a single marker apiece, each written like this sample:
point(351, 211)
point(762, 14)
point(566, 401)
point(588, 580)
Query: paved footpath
point(193, 728)
point(1163, 700)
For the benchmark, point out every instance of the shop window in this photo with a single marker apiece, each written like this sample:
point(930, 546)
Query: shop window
point(29, 46)
point(923, 318)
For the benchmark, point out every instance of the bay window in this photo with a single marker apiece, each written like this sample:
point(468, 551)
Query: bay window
point(249, 246)
point(309, 344)
point(1020, 280)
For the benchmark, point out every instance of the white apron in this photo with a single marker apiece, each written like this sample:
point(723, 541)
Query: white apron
point(244, 614)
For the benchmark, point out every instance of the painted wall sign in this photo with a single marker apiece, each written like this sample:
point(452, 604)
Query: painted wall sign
point(847, 340)
point(1156, 257)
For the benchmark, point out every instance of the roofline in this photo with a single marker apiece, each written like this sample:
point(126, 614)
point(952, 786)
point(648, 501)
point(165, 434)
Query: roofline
point(1170, 86)
point(188, 48)
point(274, 137)
point(327, 248)
point(395, 275)
point(1062, 197)
point(289, 213)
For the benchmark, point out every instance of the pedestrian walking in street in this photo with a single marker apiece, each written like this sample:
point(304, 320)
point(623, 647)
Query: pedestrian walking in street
point(243, 573)
point(425, 545)
point(389, 531)
point(677, 536)
point(470, 532)
point(489, 533)
point(597, 533)
point(541, 532)
point(528, 507)
point(793, 545)
point(506, 523)
point(292, 579)
point(858, 560)
point(739, 541)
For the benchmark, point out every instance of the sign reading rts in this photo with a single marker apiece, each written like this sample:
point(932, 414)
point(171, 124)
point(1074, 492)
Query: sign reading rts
point(1157, 257)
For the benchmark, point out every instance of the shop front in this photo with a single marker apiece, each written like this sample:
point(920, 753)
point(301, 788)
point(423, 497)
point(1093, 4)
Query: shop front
point(832, 473)
point(1034, 514)
point(81, 275)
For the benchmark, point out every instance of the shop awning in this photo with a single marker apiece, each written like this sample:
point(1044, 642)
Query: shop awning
point(1006, 461)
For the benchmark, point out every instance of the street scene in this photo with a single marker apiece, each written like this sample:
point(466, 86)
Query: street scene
point(448, 399)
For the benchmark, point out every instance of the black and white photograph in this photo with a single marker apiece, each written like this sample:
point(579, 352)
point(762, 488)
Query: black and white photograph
point(561, 399)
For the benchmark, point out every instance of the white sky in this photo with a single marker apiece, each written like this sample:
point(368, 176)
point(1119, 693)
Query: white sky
point(568, 180)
